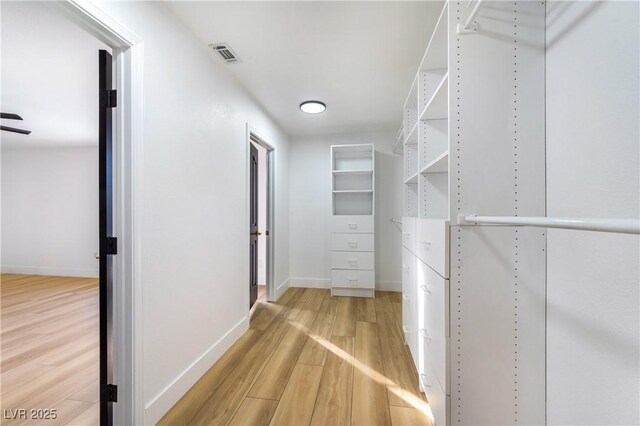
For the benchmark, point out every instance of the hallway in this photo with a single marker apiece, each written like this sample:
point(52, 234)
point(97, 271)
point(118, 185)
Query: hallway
point(312, 359)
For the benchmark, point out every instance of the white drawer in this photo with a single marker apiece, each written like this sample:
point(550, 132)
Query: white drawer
point(352, 242)
point(356, 279)
point(427, 378)
point(414, 349)
point(352, 224)
point(408, 271)
point(438, 402)
point(352, 260)
point(409, 319)
point(434, 290)
point(435, 354)
point(409, 233)
point(432, 244)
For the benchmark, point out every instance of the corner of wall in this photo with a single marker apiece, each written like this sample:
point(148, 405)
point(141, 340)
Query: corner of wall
point(284, 286)
point(162, 402)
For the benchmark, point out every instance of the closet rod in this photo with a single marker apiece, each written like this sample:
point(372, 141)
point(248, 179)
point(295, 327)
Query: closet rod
point(468, 26)
point(623, 226)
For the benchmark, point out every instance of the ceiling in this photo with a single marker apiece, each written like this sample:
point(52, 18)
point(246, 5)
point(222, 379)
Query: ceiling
point(49, 77)
point(358, 57)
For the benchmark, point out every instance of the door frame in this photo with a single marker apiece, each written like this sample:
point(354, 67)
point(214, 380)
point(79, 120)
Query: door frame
point(252, 135)
point(127, 53)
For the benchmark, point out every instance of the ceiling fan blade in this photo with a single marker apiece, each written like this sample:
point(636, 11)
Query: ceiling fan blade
point(10, 116)
point(14, 130)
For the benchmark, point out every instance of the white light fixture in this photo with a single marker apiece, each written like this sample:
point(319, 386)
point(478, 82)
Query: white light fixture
point(313, 107)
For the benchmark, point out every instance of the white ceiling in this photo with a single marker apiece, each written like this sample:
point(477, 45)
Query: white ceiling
point(358, 57)
point(49, 76)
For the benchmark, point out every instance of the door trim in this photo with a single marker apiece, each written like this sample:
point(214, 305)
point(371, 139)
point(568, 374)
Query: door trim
point(127, 52)
point(252, 135)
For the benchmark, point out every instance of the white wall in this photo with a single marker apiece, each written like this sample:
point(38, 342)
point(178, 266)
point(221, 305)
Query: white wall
point(310, 200)
point(593, 171)
point(195, 237)
point(50, 211)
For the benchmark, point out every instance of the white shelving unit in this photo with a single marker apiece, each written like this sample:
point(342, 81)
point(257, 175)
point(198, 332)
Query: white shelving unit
point(473, 127)
point(353, 192)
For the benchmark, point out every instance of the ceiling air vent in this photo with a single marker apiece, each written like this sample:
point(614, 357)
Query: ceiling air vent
point(226, 53)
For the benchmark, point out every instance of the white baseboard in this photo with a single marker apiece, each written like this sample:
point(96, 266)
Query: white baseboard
point(161, 403)
point(389, 286)
point(326, 283)
point(310, 282)
point(282, 288)
point(56, 272)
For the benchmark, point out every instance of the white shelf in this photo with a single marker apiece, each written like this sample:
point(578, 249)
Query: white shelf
point(352, 191)
point(412, 179)
point(439, 165)
point(352, 172)
point(438, 106)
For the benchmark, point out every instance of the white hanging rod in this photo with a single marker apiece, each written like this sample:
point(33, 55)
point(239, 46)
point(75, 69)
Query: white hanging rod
point(469, 26)
point(394, 220)
point(623, 226)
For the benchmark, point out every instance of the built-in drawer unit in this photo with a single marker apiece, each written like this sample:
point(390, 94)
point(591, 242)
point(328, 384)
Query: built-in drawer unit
point(433, 290)
point(427, 378)
point(352, 260)
point(438, 402)
point(408, 290)
point(352, 242)
point(353, 224)
point(409, 233)
point(432, 244)
point(352, 278)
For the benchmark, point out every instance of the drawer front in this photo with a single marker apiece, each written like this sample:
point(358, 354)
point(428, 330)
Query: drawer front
point(432, 244)
point(355, 279)
point(409, 233)
point(352, 224)
point(433, 290)
point(352, 242)
point(427, 378)
point(409, 320)
point(435, 355)
point(352, 260)
point(437, 402)
point(408, 271)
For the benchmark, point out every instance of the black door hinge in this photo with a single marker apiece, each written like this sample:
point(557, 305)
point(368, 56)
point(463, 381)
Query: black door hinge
point(108, 98)
point(112, 245)
point(111, 393)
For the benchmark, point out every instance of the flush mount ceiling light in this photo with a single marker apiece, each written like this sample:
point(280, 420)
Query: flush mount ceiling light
point(313, 107)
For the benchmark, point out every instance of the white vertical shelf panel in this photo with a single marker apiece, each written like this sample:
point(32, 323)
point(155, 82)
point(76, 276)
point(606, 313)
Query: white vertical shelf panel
point(496, 164)
point(498, 364)
point(497, 109)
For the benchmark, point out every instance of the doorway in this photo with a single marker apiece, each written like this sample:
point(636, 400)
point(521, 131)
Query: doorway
point(261, 232)
point(57, 217)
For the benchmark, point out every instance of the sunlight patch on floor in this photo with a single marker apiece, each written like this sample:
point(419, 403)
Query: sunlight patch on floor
point(402, 393)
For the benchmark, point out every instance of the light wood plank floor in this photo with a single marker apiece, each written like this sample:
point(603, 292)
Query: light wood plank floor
point(312, 359)
point(49, 337)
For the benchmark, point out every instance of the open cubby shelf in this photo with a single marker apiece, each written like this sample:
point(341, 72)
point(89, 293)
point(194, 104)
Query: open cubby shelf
point(352, 179)
point(439, 165)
